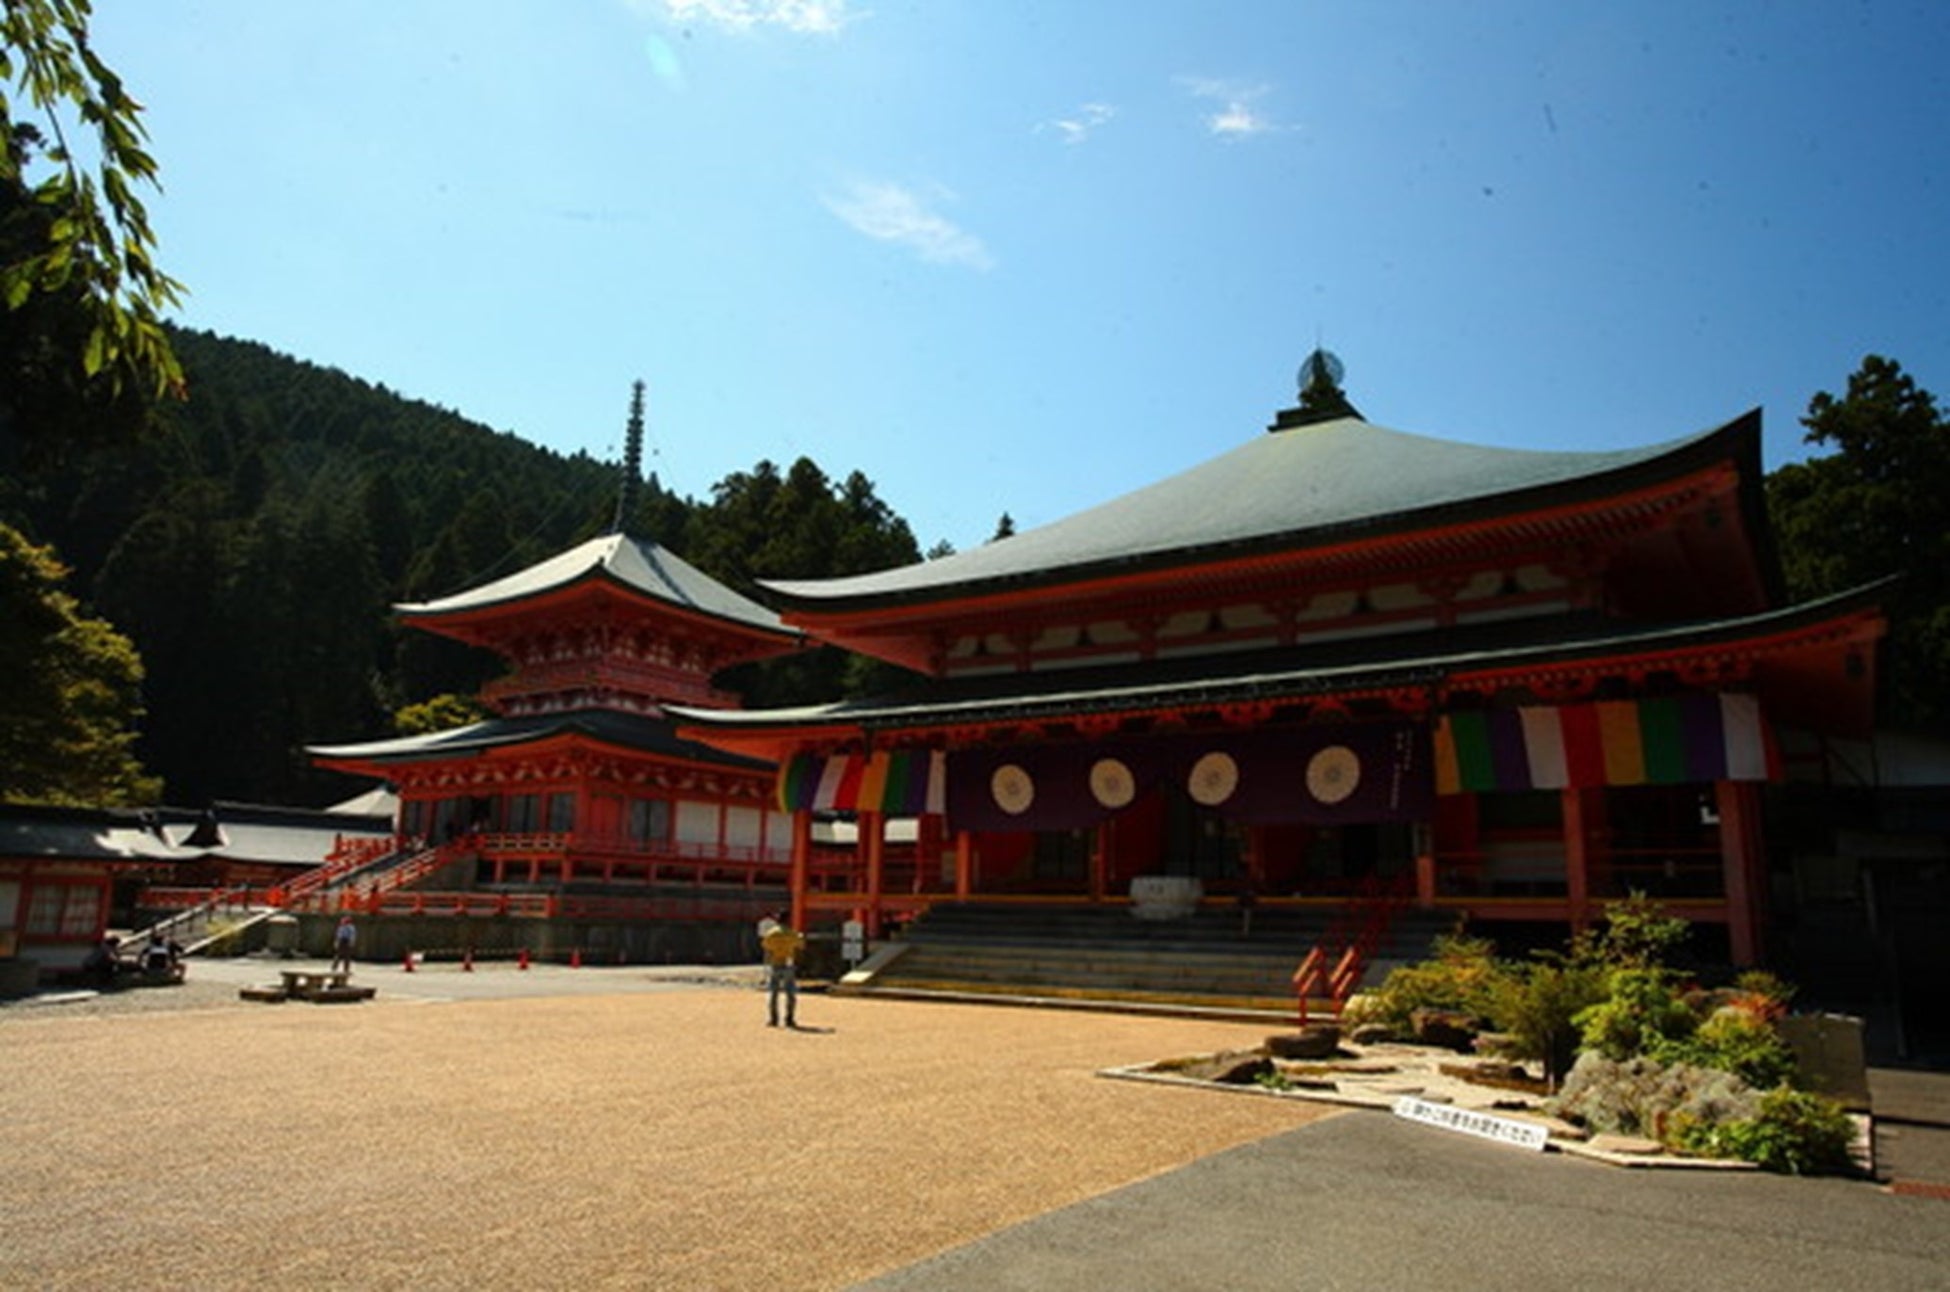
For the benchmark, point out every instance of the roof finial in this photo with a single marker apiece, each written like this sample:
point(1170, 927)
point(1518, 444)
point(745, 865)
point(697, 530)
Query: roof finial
point(1321, 396)
point(626, 496)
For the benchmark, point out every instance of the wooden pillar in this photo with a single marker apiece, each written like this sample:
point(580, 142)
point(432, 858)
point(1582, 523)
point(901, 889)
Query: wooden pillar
point(1740, 860)
point(1575, 824)
point(801, 865)
point(1099, 859)
point(964, 865)
point(873, 838)
point(928, 874)
point(1424, 865)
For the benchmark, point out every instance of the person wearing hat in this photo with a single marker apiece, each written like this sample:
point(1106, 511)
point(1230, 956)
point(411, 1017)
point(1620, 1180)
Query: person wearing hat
point(782, 944)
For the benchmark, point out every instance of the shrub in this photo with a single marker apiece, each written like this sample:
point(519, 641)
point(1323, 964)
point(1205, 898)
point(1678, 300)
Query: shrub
point(1793, 1132)
point(1462, 976)
point(1641, 1012)
point(1737, 1040)
point(1637, 934)
point(1537, 1006)
point(1761, 994)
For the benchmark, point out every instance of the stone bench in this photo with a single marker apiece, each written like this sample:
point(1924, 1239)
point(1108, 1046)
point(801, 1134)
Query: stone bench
point(319, 986)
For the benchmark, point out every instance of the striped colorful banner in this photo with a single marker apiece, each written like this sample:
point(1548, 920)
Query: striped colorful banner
point(898, 782)
point(1667, 741)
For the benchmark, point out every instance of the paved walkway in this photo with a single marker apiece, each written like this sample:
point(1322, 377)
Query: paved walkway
point(1912, 1110)
point(1368, 1201)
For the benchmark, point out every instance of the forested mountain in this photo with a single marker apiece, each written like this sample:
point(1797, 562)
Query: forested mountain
point(253, 544)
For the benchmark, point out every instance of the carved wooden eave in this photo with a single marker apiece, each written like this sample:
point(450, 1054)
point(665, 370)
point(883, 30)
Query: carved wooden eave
point(1812, 665)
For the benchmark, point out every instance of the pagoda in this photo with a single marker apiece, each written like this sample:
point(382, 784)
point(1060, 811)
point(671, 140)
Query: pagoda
point(579, 786)
point(1507, 685)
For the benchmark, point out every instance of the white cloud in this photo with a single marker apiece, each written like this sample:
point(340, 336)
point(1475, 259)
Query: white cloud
point(1236, 117)
point(893, 213)
point(1083, 123)
point(818, 17)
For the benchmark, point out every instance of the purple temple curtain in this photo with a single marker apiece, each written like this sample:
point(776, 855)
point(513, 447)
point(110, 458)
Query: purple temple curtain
point(1325, 775)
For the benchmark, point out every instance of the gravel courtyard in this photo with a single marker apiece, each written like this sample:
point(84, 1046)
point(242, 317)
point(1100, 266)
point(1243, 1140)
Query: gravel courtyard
point(651, 1138)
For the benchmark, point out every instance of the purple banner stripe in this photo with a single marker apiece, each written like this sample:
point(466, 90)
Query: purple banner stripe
point(1705, 737)
point(1507, 751)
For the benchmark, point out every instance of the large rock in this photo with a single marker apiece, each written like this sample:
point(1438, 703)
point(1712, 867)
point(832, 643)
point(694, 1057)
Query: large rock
point(1828, 1051)
point(1230, 1067)
point(1640, 1096)
point(1315, 1041)
point(1448, 1028)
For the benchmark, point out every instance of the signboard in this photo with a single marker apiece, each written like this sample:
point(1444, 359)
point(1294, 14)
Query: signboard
point(1504, 1130)
point(853, 942)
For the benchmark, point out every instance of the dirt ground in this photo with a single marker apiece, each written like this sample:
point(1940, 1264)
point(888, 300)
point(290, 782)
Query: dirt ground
point(661, 1140)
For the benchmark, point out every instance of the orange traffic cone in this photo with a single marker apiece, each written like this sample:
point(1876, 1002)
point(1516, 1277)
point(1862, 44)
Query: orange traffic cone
point(575, 958)
point(406, 966)
point(467, 961)
point(521, 961)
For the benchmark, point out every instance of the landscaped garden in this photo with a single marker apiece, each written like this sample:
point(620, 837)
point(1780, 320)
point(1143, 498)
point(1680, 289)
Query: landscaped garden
point(1604, 1038)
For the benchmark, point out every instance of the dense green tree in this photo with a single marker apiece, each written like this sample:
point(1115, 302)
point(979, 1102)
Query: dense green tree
point(440, 713)
point(166, 583)
point(253, 551)
point(82, 348)
point(762, 525)
point(83, 357)
point(73, 692)
point(1878, 505)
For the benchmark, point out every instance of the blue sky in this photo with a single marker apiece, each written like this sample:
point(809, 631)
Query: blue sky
point(1025, 257)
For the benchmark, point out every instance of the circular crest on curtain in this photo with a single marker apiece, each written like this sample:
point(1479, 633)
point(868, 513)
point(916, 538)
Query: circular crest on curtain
point(1333, 773)
point(1013, 789)
point(1214, 777)
point(1111, 783)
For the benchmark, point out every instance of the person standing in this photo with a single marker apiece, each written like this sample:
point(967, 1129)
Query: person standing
point(782, 945)
point(344, 938)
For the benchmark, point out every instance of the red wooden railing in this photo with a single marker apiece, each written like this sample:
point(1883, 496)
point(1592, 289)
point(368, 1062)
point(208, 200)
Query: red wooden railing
point(1336, 964)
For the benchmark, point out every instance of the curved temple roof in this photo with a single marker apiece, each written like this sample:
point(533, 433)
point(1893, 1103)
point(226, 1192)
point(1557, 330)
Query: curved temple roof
point(629, 731)
point(1328, 479)
point(633, 563)
point(1411, 660)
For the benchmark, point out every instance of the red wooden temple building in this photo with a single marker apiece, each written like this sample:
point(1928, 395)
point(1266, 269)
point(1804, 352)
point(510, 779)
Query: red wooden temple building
point(1511, 684)
point(578, 801)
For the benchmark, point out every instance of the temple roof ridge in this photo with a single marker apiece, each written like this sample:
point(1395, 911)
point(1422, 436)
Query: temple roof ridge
point(1315, 481)
point(637, 564)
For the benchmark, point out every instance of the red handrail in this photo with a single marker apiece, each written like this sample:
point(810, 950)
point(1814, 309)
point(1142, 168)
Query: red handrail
point(1351, 941)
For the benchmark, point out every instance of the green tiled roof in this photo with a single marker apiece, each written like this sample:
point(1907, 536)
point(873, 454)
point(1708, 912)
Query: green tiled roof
point(634, 563)
point(1308, 483)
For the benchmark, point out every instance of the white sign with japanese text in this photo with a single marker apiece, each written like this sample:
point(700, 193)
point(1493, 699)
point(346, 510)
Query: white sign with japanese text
point(1504, 1130)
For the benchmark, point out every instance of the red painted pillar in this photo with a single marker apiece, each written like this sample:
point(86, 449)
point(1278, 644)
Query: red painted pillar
point(1099, 860)
point(1577, 854)
point(873, 838)
point(1740, 859)
point(964, 865)
point(801, 864)
point(1425, 866)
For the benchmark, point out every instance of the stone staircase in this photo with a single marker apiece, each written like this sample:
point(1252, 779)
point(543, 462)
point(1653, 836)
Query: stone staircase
point(1103, 957)
point(224, 914)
